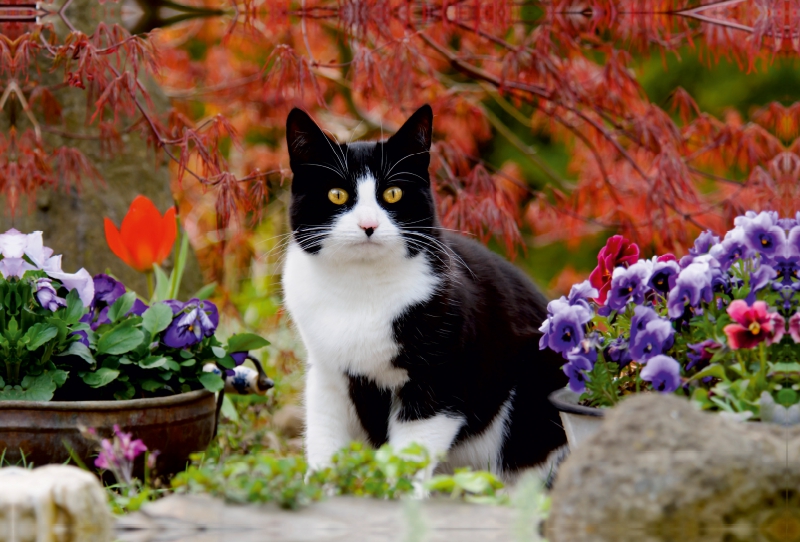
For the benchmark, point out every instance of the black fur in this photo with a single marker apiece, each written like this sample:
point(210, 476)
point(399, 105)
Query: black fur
point(472, 345)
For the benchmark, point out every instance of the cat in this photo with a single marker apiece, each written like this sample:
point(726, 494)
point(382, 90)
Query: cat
point(414, 333)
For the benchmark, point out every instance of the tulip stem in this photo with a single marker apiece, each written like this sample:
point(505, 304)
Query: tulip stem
point(149, 275)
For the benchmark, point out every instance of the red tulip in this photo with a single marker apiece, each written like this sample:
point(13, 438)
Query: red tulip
point(145, 237)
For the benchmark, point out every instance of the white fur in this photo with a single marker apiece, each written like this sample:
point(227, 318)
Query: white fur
point(344, 300)
point(482, 452)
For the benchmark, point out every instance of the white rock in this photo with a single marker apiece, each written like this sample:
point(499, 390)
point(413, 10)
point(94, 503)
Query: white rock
point(54, 503)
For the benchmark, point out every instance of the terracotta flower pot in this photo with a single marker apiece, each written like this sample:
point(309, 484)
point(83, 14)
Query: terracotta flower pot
point(176, 426)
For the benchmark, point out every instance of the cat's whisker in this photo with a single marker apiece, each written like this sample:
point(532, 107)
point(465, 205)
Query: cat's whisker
point(339, 173)
point(403, 158)
point(341, 152)
point(406, 173)
point(445, 248)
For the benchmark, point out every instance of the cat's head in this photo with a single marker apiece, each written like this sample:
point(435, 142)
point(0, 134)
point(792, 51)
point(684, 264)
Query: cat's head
point(362, 200)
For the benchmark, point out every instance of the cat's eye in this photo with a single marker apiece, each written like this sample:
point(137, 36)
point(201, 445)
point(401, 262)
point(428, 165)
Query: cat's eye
point(392, 195)
point(337, 196)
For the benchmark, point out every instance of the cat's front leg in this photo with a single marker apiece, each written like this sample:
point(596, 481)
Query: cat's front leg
point(435, 433)
point(328, 409)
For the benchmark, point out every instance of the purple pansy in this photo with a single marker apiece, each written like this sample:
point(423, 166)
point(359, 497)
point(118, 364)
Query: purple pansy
point(730, 251)
point(575, 369)
point(642, 315)
point(704, 242)
point(692, 286)
point(239, 357)
point(195, 320)
point(47, 296)
point(759, 279)
point(138, 308)
point(763, 234)
point(663, 276)
point(618, 351)
point(580, 294)
point(656, 338)
point(629, 285)
point(701, 352)
point(106, 290)
point(565, 330)
point(663, 372)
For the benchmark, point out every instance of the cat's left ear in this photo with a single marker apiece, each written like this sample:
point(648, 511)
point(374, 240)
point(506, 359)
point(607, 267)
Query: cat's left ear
point(414, 137)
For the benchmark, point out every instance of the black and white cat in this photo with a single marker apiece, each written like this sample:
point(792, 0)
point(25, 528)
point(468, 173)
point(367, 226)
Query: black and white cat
point(413, 334)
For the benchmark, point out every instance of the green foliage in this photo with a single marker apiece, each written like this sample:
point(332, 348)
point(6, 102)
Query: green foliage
point(356, 470)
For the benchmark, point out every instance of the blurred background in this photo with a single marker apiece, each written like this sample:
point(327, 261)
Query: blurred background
point(557, 124)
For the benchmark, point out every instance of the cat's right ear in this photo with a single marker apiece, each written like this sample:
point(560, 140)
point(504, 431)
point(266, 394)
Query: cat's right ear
point(305, 139)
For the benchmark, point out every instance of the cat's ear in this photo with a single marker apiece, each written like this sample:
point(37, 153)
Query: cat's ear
point(305, 139)
point(414, 137)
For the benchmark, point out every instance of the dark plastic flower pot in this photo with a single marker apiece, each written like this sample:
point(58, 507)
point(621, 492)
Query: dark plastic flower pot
point(580, 422)
point(176, 426)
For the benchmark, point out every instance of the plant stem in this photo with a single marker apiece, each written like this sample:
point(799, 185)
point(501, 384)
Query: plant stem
point(149, 275)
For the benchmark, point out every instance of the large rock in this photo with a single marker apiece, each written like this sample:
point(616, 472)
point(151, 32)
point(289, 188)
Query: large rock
point(52, 503)
point(661, 467)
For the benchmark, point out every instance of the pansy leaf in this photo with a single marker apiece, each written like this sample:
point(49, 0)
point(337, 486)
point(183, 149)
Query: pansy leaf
point(245, 342)
point(219, 352)
point(172, 365)
point(227, 362)
point(121, 306)
point(101, 377)
point(72, 313)
point(38, 334)
point(127, 392)
point(151, 385)
point(157, 318)
point(211, 382)
point(188, 363)
point(717, 371)
point(120, 339)
point(153, 362)
point(82, 351)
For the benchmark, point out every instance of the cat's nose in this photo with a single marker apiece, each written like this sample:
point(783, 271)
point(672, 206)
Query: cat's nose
point(369, 226)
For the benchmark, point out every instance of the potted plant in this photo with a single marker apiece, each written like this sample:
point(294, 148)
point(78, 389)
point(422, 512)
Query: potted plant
point(720, 326)
point(82, 351)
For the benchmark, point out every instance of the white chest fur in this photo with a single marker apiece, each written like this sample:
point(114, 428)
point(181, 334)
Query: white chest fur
point(344, 310)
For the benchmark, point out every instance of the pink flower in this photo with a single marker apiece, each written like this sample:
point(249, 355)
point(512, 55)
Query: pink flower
point(794, 327)
point(617, 252)
point(753, 325)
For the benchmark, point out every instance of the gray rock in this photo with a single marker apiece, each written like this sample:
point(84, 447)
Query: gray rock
point(52, 503)
point(660, 468)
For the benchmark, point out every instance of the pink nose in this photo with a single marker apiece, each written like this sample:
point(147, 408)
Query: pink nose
point(368, 224)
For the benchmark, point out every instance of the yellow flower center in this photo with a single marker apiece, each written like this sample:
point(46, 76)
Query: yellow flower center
point(755, 328)
point(191, 328)
point(764, 242)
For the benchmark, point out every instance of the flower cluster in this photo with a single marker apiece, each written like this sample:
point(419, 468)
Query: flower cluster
point(721, 324)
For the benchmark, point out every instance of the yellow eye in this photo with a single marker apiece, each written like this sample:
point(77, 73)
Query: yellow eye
point(392, 195)
point(337, 196)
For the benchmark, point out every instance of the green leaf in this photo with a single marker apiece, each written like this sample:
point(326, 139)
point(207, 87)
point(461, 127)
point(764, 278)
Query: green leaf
point(172, 365)
point(120, 339)
point(39, 334)
point(211, 382)
point(157, 318)
point(226, 362)
point(127, 392)
point(161, 292)
point(59, 377)
point(32, 388)
point(72, 313)
point(180, 264)
point(228, 410)
point(151, 385)
point(188, 362)
point(153, 362)
point(82, 351)
point(245, 342)
point(714, 370)
point(2, 383)
point(101, 377)
point(206, 291)
point(786, 397)
point(186, 354)
point(121, 306)
point(218, 352)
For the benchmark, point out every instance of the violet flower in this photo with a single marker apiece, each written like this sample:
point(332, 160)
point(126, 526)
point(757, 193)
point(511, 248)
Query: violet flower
point(47, 296)
point(618, 351)
point(575, 369)
point(663, 276)
point(692, 286)
point(763, 234)
point(642, 315)
point(580, 294)
point(656, 338)
point(564, 330)
point(759, 278)
point(106, 290)
point(701, 352)
point(195, 320)
point(663, 372)
point(704, 242)
point(730, 251)
point(629, 285)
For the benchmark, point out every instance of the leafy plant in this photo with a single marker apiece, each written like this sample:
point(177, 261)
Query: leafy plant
point(356, 470)
point(721, 325)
